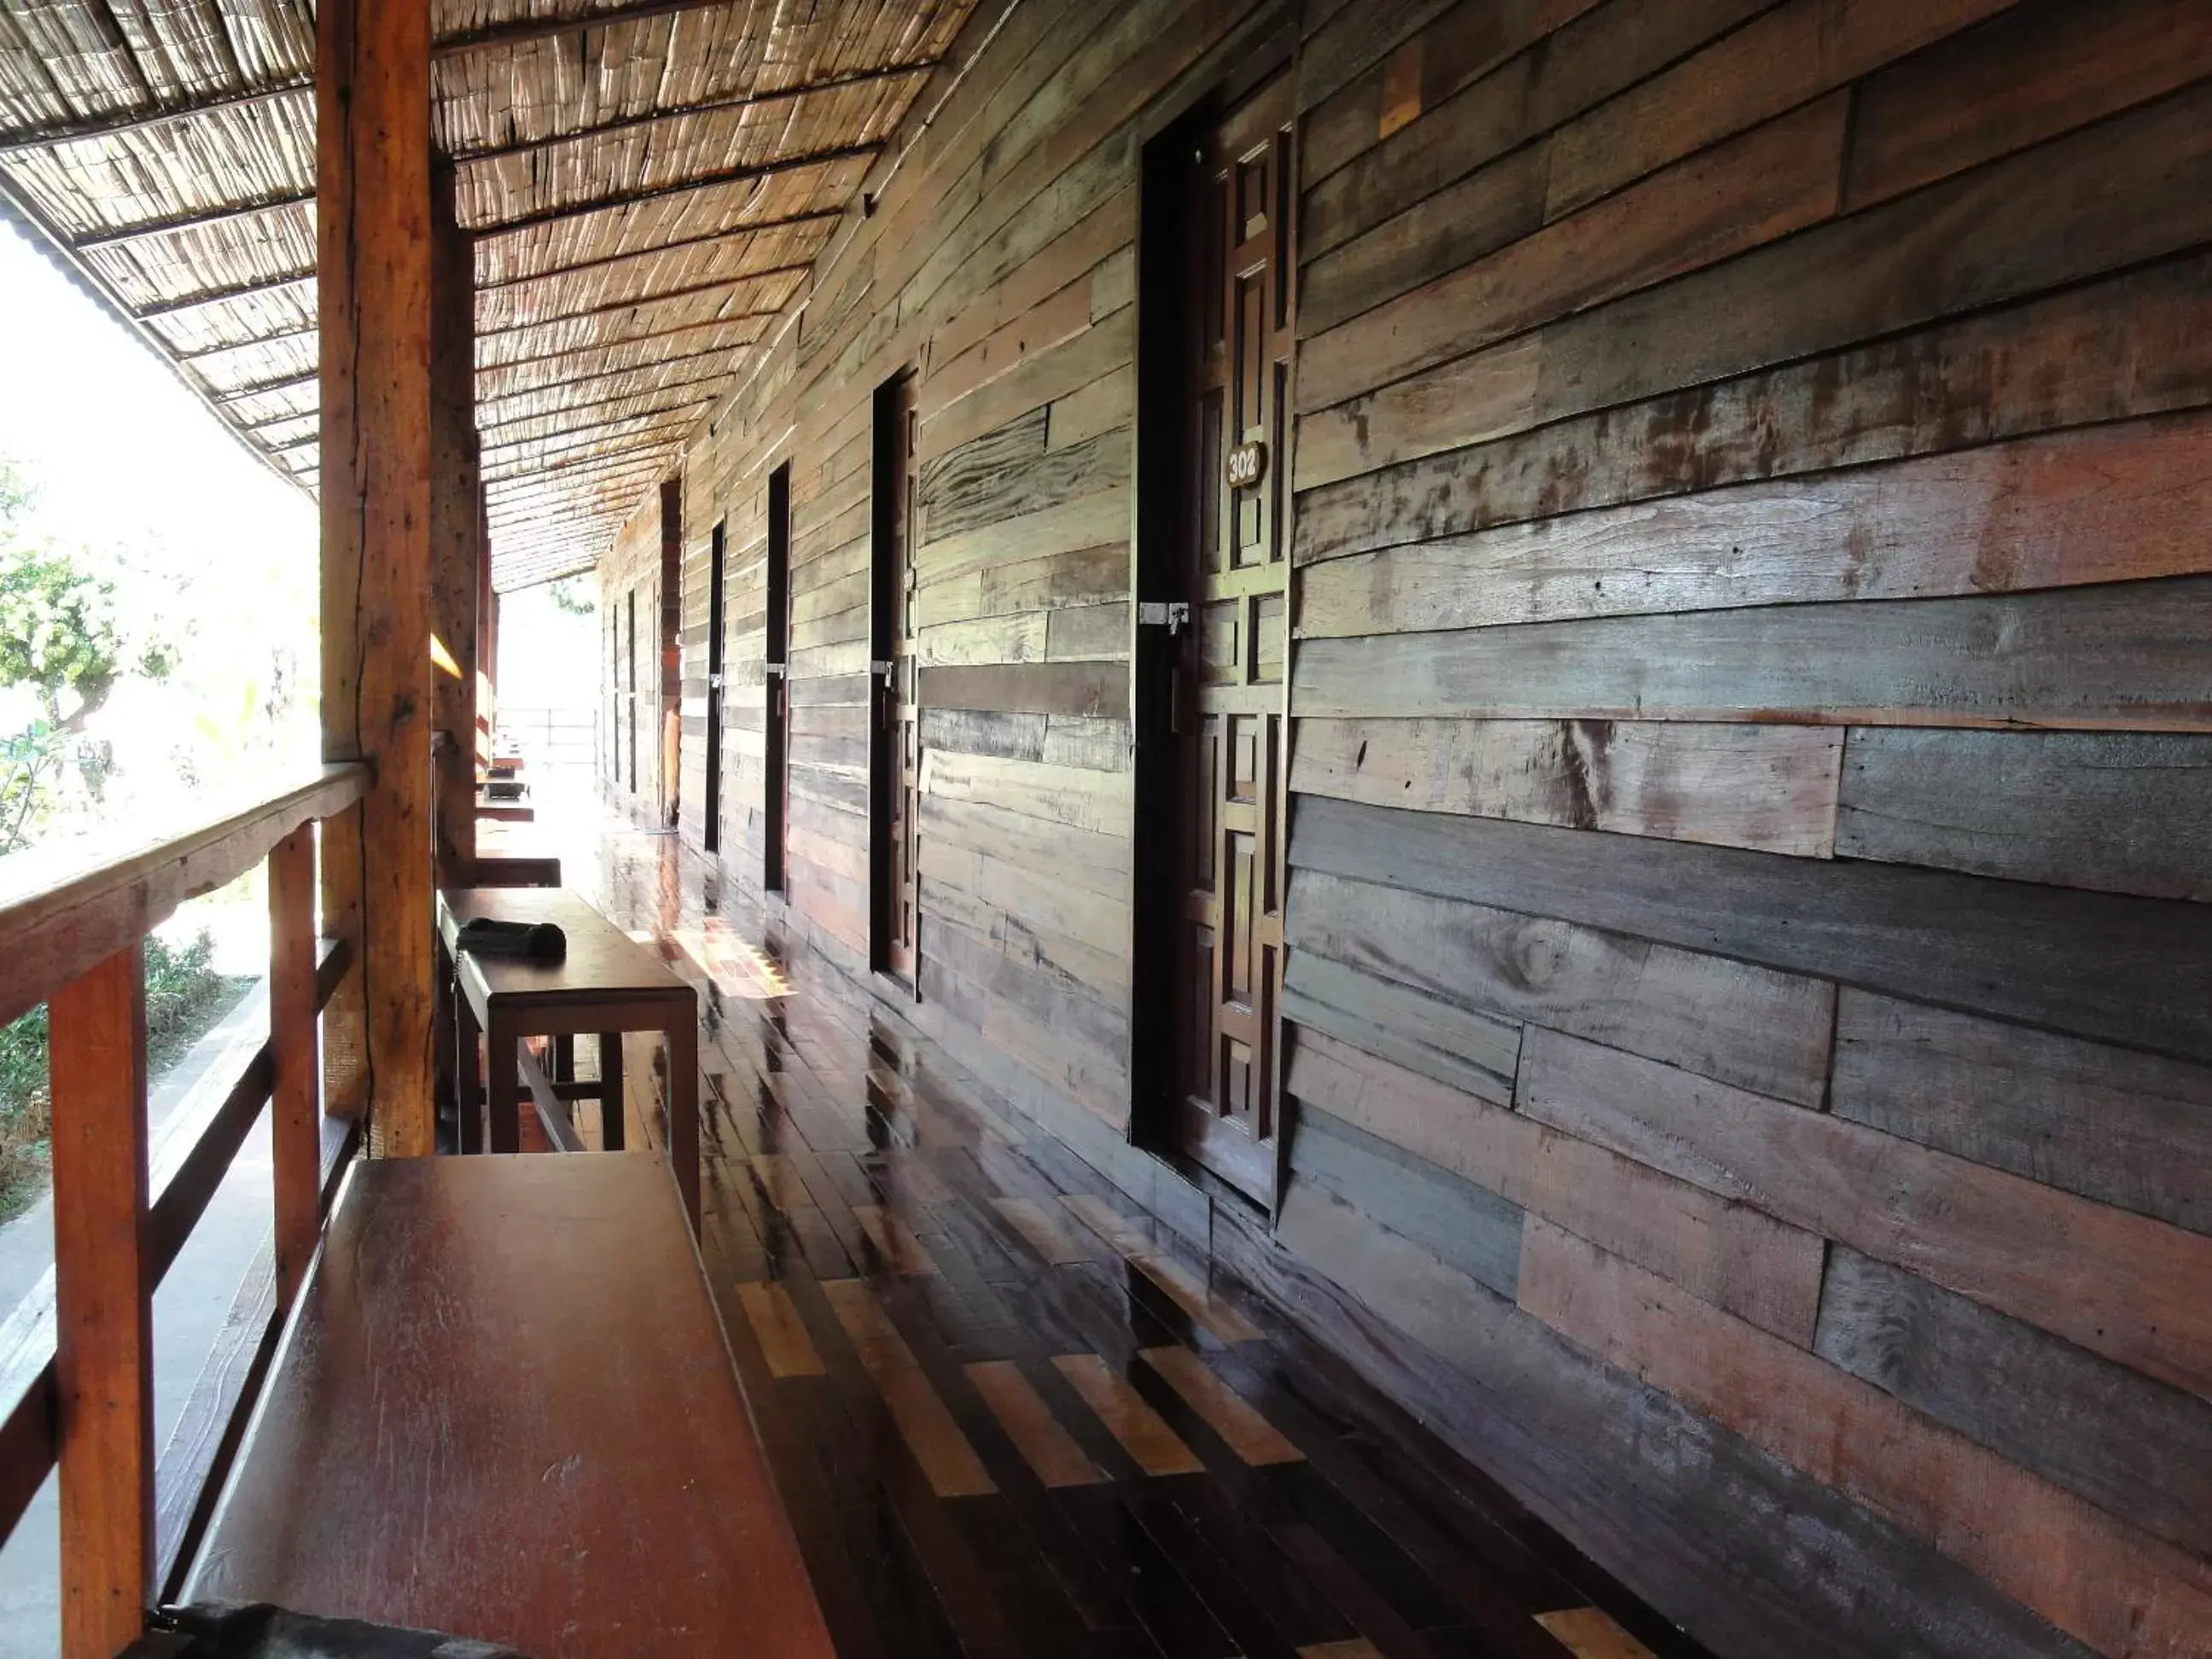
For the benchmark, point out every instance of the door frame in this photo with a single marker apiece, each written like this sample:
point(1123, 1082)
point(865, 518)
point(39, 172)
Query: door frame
point(717, 667)
point(776, 671)
point(1264, 46)
point(889, 555)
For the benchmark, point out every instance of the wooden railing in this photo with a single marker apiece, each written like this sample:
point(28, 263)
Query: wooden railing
point(76, 1373)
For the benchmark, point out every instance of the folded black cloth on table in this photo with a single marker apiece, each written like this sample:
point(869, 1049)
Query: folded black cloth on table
point(535, 941)
point(223, 1630)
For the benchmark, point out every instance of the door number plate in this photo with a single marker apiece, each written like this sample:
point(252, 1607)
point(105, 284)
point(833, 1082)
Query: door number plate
point(1248, 463)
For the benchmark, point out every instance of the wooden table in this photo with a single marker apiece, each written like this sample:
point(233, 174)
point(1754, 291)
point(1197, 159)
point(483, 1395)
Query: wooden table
point(608, 985)
point(503, 1408)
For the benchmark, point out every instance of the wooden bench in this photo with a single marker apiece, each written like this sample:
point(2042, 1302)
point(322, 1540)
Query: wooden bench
point(504, 1409)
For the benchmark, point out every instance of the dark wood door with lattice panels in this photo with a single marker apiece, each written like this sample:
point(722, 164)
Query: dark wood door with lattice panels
point(1229, 701)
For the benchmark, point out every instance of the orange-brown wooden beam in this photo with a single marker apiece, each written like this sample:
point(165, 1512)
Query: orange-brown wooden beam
point(456, 494)
point(373, 98)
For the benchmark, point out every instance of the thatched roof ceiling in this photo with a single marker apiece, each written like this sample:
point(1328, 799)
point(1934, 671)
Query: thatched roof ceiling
point(647, 184)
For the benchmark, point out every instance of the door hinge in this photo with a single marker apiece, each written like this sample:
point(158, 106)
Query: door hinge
point(1174, 615)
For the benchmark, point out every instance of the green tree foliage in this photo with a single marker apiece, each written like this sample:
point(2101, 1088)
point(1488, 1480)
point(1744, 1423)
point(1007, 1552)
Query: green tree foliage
point(185, 997)
point(61, 641)
point(569, 595)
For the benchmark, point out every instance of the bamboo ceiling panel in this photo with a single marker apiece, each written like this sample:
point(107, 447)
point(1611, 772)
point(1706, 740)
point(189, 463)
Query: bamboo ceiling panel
point(648, 183)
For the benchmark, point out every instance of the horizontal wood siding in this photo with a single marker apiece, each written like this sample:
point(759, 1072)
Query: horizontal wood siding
point(1749, 1064)
point(1733, 436)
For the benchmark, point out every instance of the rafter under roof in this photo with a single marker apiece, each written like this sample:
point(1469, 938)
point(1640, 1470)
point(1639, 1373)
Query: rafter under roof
point(648, 181)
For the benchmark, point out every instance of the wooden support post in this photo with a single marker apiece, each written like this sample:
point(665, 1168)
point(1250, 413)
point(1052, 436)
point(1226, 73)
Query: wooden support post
point(296, 1138)
point(372, 214)
point(456, 532)
point(103, 1290)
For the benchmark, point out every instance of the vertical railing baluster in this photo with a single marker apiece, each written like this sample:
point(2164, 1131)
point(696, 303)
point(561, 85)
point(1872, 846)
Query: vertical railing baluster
point(103, 1283)
point(295, 1128)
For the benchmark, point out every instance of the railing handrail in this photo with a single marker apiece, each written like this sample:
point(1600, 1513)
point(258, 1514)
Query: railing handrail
point(52, 935)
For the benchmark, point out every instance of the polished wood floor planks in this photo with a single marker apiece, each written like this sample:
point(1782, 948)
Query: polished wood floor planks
point(1144, 1434)
point(945, 1455)
point(1049, 1449)
point(1011, 1416)
point(778, 1330)
point(1590, 1633)
point(1249, 1434)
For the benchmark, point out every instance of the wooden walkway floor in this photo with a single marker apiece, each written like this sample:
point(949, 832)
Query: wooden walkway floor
point(1011, 1417)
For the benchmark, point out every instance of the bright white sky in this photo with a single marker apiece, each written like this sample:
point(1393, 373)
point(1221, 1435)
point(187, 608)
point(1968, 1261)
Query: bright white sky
point(209, 550)
point(118, 442)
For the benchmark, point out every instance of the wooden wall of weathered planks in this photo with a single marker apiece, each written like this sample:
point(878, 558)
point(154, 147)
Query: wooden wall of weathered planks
point(1752, 1070)
point(634, 572)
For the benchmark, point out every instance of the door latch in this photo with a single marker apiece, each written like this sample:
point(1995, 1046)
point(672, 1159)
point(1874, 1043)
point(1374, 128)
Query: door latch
point(1174, 615)
point(882, 670)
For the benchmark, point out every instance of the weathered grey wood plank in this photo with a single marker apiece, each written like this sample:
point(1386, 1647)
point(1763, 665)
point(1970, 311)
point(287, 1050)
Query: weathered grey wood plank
point(2132, 345)
point(1463, 1047)
point(2135, 1447)
point(2122, 1285)
point(1729, 1254)
point(1085, 688)
point(2127, 655)
point(2126, 970)
point(2076, 208)
point(2123, 812)
point(1712, 1530)
point(2124, 1129)
point(1463, 1225)
point(2115, 1589)
point(1765, 1030)
point(1772, 788)
point(2105, 504)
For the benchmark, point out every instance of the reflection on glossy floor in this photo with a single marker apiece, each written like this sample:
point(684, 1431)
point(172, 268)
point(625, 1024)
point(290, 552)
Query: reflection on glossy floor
point(1008, 1414)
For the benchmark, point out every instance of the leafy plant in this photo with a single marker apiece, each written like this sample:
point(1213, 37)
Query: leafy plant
point(568, 594)
point(185, 997)
point(63, 645)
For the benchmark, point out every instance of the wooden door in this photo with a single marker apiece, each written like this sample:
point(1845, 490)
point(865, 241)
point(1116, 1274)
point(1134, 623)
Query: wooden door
point(716, 573)
point(895, 743)
point(775, 793)
point(1228, 706)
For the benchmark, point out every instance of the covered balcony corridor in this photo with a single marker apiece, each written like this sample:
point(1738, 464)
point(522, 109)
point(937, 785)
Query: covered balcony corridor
point(1402, 813)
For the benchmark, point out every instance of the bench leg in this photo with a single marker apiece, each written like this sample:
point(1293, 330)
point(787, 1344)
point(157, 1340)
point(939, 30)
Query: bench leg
point(468, 1078)
point(503, 1051)
point(443, 1037)
point(611, 1091)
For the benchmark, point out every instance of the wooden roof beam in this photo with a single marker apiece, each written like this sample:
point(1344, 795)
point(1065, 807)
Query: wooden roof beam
point(108, 126)
point(215, 296)
point(487, 432)
point(815, 216)
point(196, 220)
point(626, 340)
point(720, 285)
point(646, 368)
point(201, 219)
point(239, 394)
point(307, 333)
point(613, 436)
point(547, 28)
point(708, 106)
point(661, 193)
point(661, 453)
